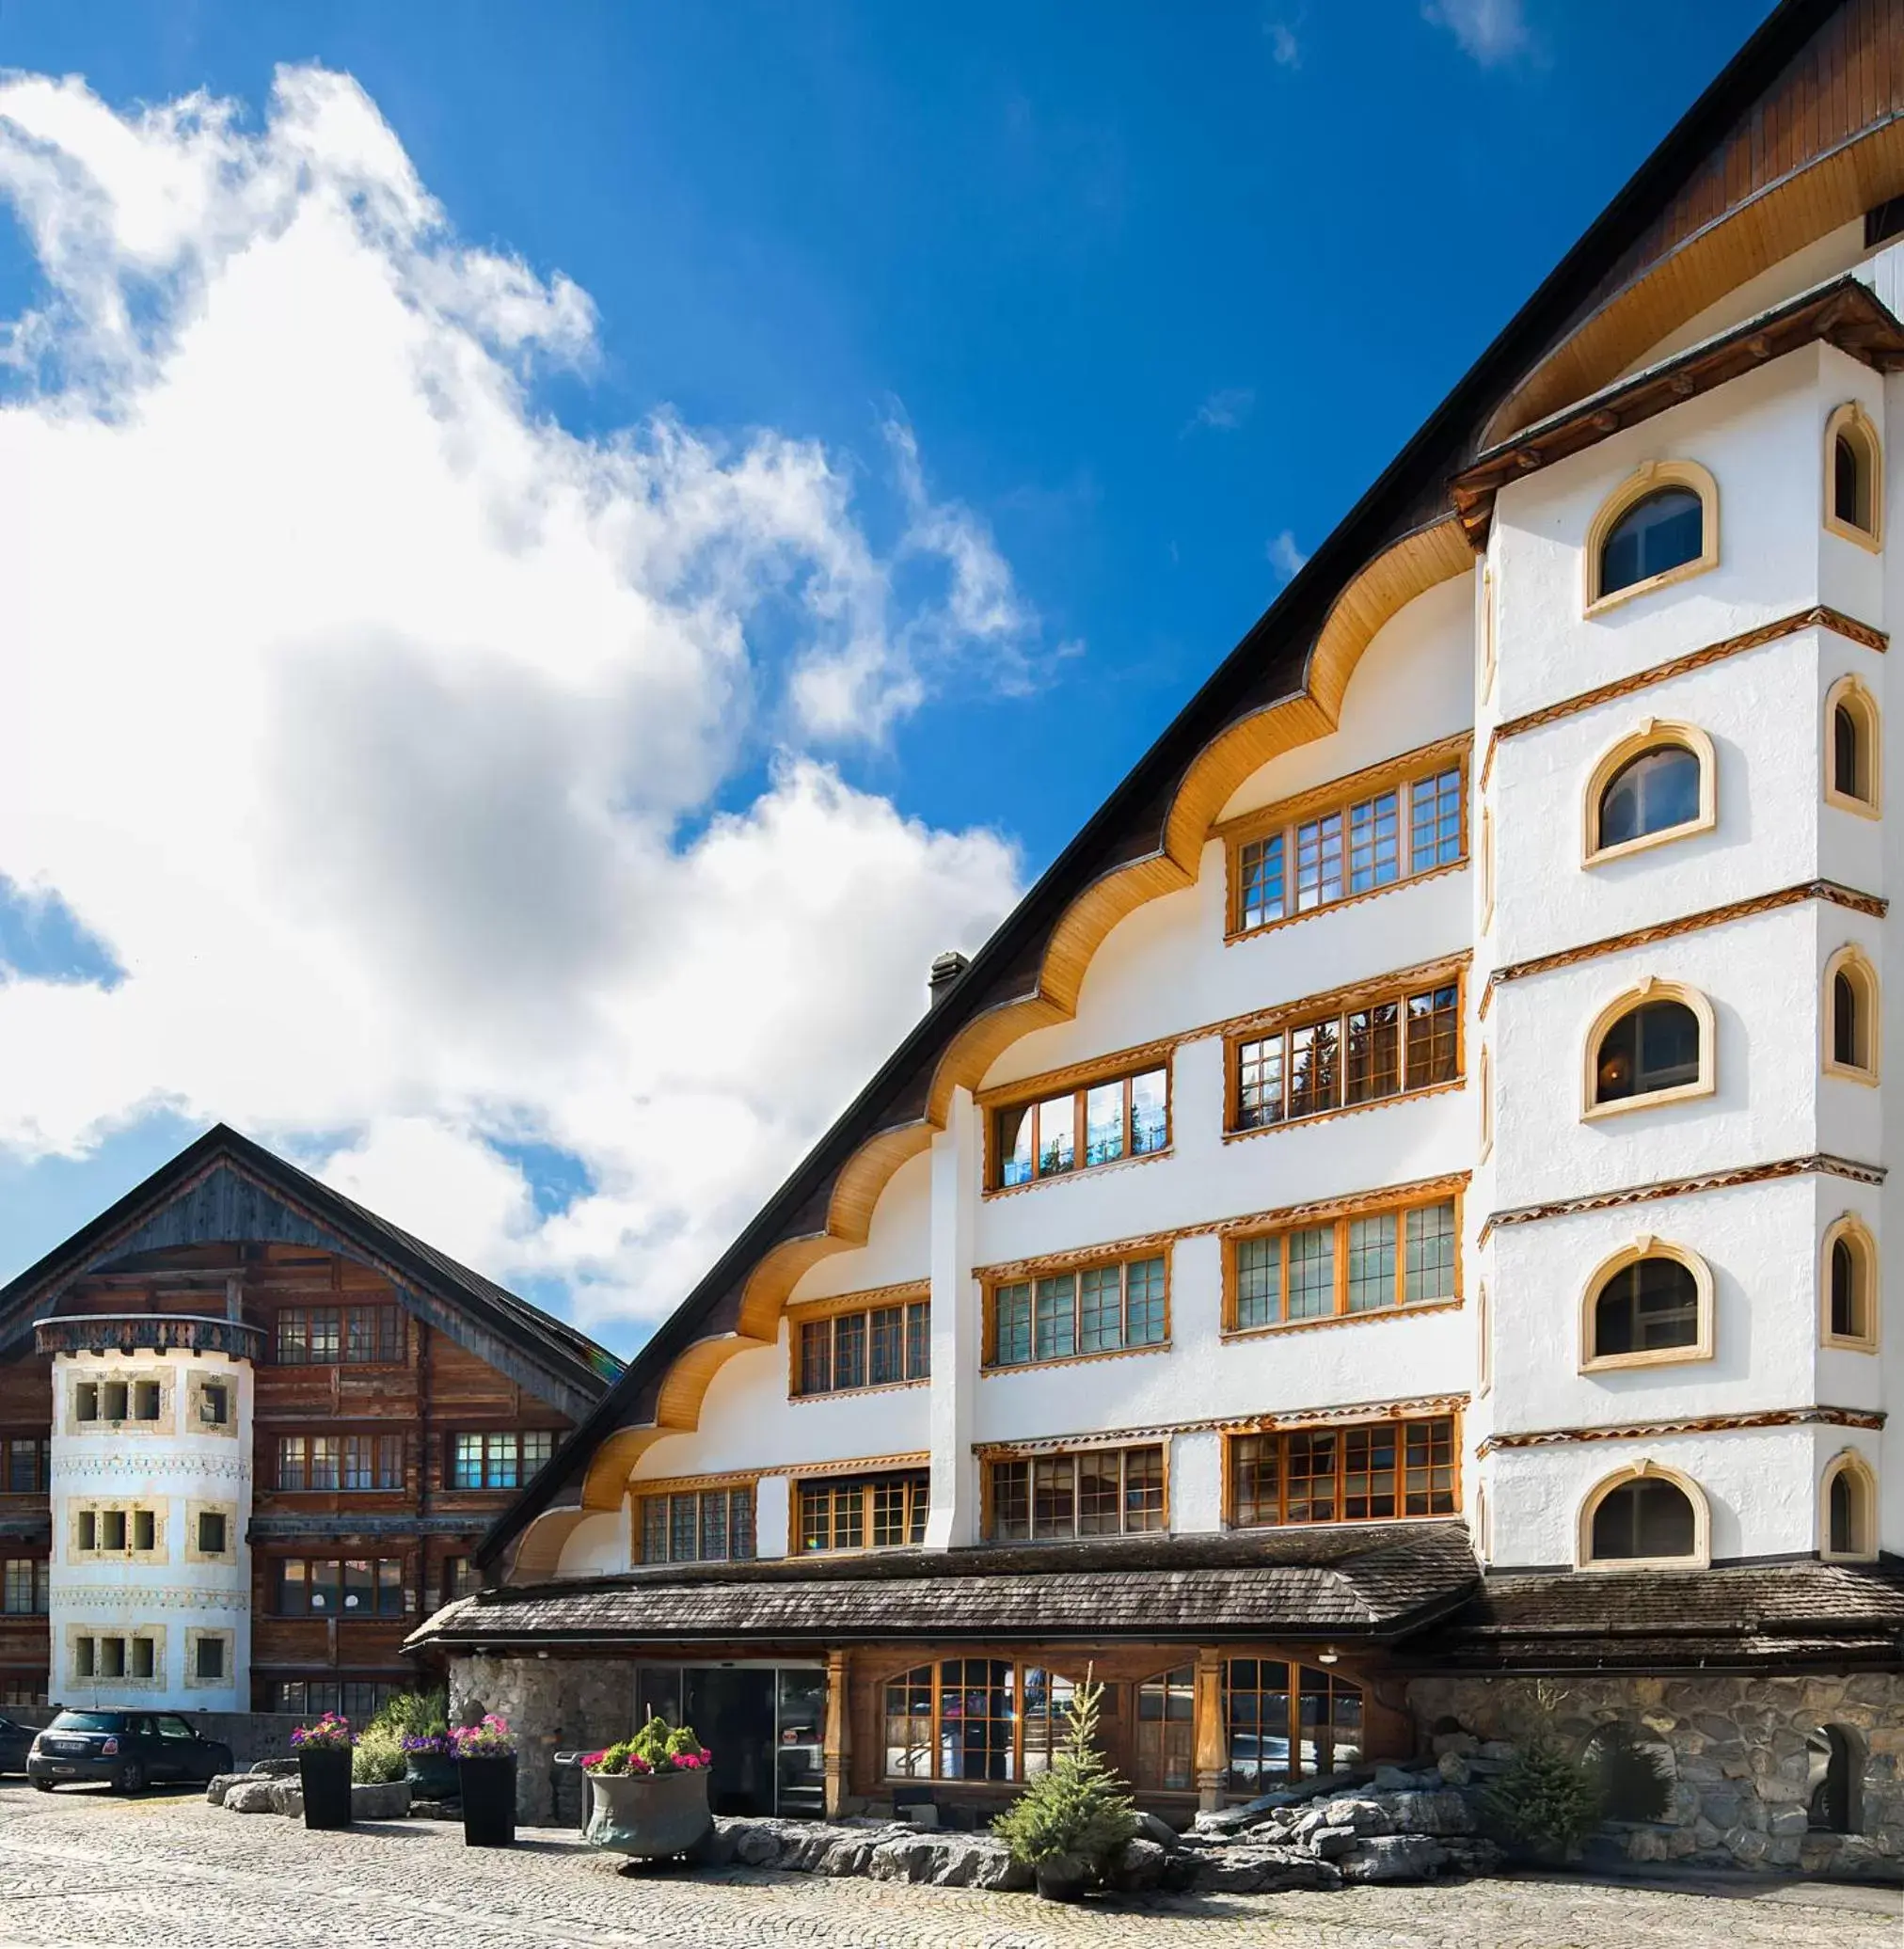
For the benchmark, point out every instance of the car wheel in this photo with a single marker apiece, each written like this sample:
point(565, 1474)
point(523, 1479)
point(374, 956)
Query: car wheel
point(45, 1786)
point(132, 1778)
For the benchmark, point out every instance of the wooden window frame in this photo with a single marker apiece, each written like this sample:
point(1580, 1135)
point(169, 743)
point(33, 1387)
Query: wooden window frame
point(1030, 1093)
point(1653, 734)
point(1138, 1689)
point(918, 1487)
point(1400, 1423)
point(385, 1309)
point(1295, 1691)
point(38, 1582)
point(936, 1745)
point(41, 1446)
point(901, 1298)
point(1701, 1557)
point(1341, 1218)
point(699, 1487)
point(405, 1586)
point(1402, 776)
point(1650, 478)
point(1643, 1247)
point(993, 1461)
point(1854, 964)
point(525, 1474)
point(1074, 1269)
point(1852, 420)
point(1285, 1023)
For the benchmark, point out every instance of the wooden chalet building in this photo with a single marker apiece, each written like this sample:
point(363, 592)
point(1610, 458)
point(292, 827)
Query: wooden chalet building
point(251, 1434)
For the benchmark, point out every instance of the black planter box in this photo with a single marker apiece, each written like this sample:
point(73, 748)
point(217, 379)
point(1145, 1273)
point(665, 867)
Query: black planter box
point(489, 1802)
point(323, 1774)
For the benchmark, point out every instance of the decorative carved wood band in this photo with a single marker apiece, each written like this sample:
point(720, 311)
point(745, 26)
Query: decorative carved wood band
point(1692, 1424)
point(1229, 1424)
point(1818, 1161)
point(1829, 889)
point(1818, 617)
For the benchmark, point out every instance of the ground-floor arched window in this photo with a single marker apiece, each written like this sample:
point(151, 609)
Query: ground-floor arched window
point(973, 1719)
point(1166, 1757)
point(1288, 1723)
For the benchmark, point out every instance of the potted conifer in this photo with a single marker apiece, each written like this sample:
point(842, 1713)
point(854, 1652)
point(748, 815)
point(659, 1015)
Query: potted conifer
point(649, 1794)
point(485, 1770)
point(1071, 1822)
point(323, 1769)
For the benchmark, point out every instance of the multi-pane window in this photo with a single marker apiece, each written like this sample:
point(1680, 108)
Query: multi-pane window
point(356, 1698)
point(974, 1718)
point(115, 1530)
point(461, 1578)
point(342, 1461)
point(498, 1460)
point(1284, 1722)
point(325, 1336)
point(1166, 1745)
point(879, 1511)
point(1097, 1492)
point(1369, 1473)
point(1345, 850)
point(27, 1460)
point(1387, 1046)
point(877, 1348)
point(1100, 1123)
point(1096, 1310)
point(23, 1586)
point(1359, 1263)
point(698, 1526)
point(340, 1587)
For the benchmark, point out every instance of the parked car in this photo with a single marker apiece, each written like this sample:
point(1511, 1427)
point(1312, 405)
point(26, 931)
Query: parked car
point(125, 1749)
point(14, 1741)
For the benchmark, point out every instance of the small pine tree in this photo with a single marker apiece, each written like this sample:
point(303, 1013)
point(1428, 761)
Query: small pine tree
point(1078, 1807)
point(1547, 1802)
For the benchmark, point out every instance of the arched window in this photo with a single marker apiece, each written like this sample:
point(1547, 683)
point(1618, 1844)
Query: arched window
point(1849, 1513)
point(1854, 477)
point(1645, 1516)
point(1835, 1775)
point(1648, 1303)
point(1851, 763)
point(1851, 1016)
point(1658, 783)
point(1166, 1744)
point(1849, 1277)
point(1659, 525)
point(1651, 1044)
point(973, 1719)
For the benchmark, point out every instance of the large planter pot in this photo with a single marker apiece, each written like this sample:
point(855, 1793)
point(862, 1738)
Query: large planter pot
point(323, 1774)
point(432, 1775)
point(489, 1789)
point(1063, 1878)
point(648, 1815)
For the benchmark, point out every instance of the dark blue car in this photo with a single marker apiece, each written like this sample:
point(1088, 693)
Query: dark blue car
point(125, 1749)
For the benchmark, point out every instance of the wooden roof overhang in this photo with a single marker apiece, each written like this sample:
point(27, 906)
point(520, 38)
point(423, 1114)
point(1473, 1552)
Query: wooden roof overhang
point(1283, 683)
point(224, 1189)
point(1843, 312)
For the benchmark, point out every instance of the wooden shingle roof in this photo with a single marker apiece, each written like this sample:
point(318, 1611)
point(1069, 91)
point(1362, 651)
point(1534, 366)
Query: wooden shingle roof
point(1367, 1582)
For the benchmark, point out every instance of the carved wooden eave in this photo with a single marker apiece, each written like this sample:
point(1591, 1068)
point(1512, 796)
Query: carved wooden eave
point(1844, 313)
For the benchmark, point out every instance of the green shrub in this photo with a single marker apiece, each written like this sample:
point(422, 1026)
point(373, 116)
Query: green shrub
point(1078, 1807)
point(1547, 1803)
point(378, 1756)
point(413, 1713)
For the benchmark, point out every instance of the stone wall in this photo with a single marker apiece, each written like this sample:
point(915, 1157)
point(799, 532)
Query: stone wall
point(553, 1705)
point(1733, 1752)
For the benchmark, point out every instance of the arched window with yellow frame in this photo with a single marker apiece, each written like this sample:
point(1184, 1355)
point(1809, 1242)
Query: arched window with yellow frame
point(1850, 1016)
point(1646, 1517)
point(1649, 1305)
point(1847, 1509)
point(1848, 1282)
point(1651, 1045)
point(1655, 784)
point(1853, 760)
point(1854, 477)
point(1658, 526)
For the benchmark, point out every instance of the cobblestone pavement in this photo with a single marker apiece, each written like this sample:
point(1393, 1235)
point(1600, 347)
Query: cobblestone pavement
point(85, 1869)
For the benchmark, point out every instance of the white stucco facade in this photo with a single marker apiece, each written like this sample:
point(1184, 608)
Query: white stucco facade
point(150, 1491)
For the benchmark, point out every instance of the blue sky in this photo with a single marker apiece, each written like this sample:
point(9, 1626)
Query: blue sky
point(1157, 292)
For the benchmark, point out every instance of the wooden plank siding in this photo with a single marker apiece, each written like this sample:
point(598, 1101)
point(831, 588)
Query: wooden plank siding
point(434, 1390)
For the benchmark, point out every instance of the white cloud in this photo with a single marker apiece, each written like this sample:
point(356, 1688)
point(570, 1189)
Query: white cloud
point(1284, 49)
point(1491, 31)
point(1224, 410)
point(1284, 556)
point(358, 709)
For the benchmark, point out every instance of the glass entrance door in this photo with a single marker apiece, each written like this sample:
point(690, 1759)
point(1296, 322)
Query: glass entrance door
point(763, 1723)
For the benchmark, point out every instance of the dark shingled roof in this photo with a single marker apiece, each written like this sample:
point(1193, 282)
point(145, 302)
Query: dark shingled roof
point(1736, 1614)
point(1269, 664)
point(1370, 1582)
